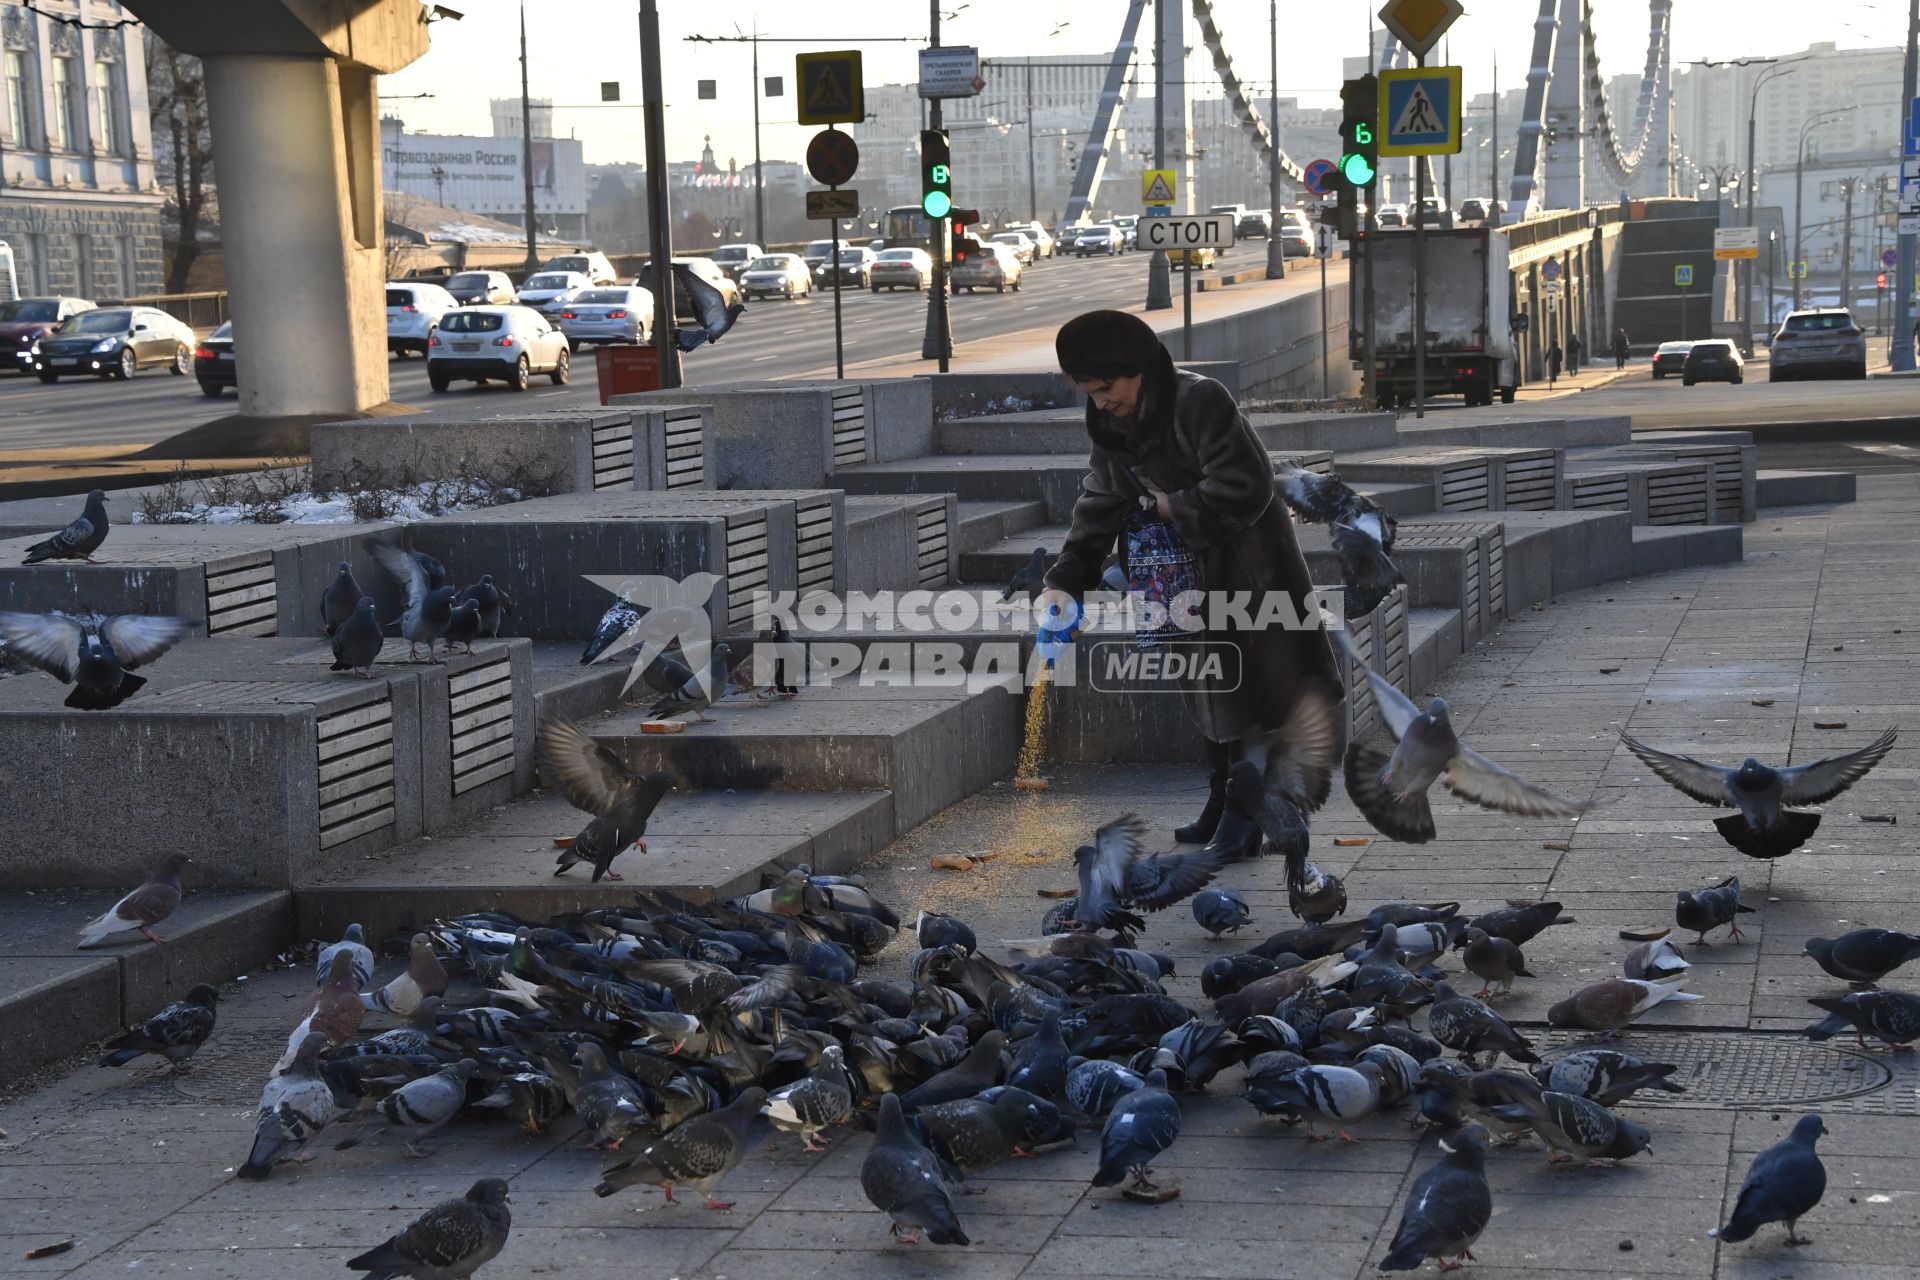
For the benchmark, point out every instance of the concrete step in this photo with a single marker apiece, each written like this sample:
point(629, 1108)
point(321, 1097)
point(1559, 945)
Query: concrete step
point(1664, 548)
point(1551, 552)
point(1802, 488)
point(899, 542)
point(981, 524)
point(702, 844)
point(1065, 431)
point(1434, 641)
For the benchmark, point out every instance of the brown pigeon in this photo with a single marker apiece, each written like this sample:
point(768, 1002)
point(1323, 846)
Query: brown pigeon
point(1610, 1005)
point(424, 976)
point(333, 1011)
point(142, 909)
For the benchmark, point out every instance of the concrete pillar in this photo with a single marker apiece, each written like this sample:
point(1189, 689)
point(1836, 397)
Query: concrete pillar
point(1565, 119)
point(301, 229)
point(1177, 143)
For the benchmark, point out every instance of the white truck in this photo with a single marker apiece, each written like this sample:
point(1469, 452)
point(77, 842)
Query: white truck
point(1469, 344)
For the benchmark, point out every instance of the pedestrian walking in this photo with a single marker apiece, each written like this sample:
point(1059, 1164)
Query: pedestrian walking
point(1573, 354)
point(1175, 469)
point(1553, 361)
point(1620, 346)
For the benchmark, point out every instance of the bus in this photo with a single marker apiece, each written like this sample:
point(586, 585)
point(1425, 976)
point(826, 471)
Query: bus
point(908, 227)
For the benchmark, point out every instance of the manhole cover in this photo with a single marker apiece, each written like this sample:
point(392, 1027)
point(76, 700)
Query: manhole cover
point(1736, 1071)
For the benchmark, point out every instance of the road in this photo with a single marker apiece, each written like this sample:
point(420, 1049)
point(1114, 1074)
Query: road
point(774, 339)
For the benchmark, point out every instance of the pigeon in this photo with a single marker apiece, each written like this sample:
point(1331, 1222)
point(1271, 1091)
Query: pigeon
point(811, 1104)
point(932, 930)
point(692, 695)
point(1391, 790)
point(1029, 579)
point(711, 311)
point(1220, 911)
point(1094, 1084)
point(334, 1011)
point(1362, 534)
point(1319, 897)
point(593, 779)
point(1141, 1125)
point(1892, 1016)
point(619, 619)
point(1708, 909)
point(1297, 780)
point(295, 1105)
point(1447, 1209)
point(1283, 826)
point(428, 608)
point(1462, 1023)
point(698, 1152)
point(424, 976)
point(974, 1073)
point(357, 641)
point(1864, 956)
point(94, 653)
point(450, 1241)
point(463, 626)
point(1333, 1093)
point(339, 600)
point(1609, 1005)
point(788, 659)
point(1040, 1060)
point(80, 539)
point(608, 1103)
point(1655, 960)
point(492, 602)
point(975, 1134)
point(142, 909)
point(175, 1033)
point(354, 943)
point(435, 571)
point(1519, 924)
point(1115, 875)
point(1382, 980)
point(1492, 960)
point(420, 1108)
point(1573, 1125)
point(901, 1178)
point(1783, 1184)
point(1764, 827)
point(1605, 1076)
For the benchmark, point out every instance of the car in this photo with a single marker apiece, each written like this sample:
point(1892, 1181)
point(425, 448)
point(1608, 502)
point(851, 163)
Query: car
point(508, 344)
point(1434, 213)
point(1017, 241)
point(1254, 224)
point(24, 321)
point(1235, 211)
point(1296, 237)
point(1043, 243)
point(591, 263)
point(818, 255)
point(1714, 360)
point(548, 291)
point(413, 309)
point(1066, 233)
point(1204, 256)
point(776, 273)
point(856, 265)
point(993, 266)
point(1472, 210)
point(1105, 239)
point(1820, 341)
point(1129, 223)
point(213, 365)
point(1670, 357)
point(618, 313)
point(733, 258)
point(469, 287)
point(1391, 215)
point(114, 342)
point(902, 268)
point(704, 268)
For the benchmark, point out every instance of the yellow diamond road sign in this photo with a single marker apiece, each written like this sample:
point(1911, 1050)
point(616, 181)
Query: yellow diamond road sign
point(1419, 24)
point(1157, 186)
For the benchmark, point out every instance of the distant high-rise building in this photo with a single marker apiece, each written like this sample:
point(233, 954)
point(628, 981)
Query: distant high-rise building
point(508, 117)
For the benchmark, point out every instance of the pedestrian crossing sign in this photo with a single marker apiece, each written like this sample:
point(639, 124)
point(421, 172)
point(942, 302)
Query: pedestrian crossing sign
point(1157, 186)
point(1420, 111)
point(831, 89)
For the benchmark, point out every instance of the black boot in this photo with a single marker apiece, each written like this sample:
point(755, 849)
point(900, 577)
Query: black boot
point(1201, 829)
point(1238, 836)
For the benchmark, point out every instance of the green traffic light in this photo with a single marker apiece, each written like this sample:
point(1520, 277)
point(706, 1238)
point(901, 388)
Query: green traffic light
point(1355, 169)
point(936, 204)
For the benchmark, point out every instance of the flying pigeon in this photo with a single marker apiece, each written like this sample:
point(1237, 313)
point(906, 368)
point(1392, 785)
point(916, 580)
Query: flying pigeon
point(175, 1033)
point(80, 539)
point(493, 603)
point(1708, 909)
point(357, 641)
point(142, 909)
point(295, 1105)
point(1447, 1209)
point(1391, 791)
point(450, 1241)
point(1605, 1076)
point(1362, 534)
point(1575, 1126)
point(428, 607)
point(1609, 1005)
point(463, 625)
point(693, 696)
point(1219, 911)
point(95, 654)
point(1764, 827)
point(1892, 1016)
point(901, 1178)
point(709, 306)
point(1783, 1184)
point(1115, 875)
point(697, 1152)
point(339, 600)
point(1141, 1125)
point(1864, 956)
point(1029, 579)
point(424, 976)
point(593, 779)
point(815, 1101)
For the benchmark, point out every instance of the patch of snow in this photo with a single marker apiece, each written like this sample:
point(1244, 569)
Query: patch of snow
point(305, 508)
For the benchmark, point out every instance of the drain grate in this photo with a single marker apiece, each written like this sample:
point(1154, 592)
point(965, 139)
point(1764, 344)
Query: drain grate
point(1678, 495)
point(1465, 486)
point(1530, 483)
point(1362, 707)
point(931, 530)
point(242, 596)
point(686, 445)
point(746, 563)
point(355, 762)
point(613, 455)
point(850, 427)
point(1606, 492)
point(813, 551)
point(1745, 1071)
point(480, 723)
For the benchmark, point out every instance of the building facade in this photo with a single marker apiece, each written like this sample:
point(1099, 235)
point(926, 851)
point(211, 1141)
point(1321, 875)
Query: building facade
point(485, 176)
point(78, 202)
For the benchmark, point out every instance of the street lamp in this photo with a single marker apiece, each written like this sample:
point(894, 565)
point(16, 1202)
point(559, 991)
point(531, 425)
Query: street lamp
point(1814, 121)
point(1753, 102)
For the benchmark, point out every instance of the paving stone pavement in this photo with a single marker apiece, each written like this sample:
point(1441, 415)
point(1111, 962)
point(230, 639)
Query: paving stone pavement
point(1821, 623)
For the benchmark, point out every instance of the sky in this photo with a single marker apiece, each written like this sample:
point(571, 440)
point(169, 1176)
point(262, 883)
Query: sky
point(574, 45)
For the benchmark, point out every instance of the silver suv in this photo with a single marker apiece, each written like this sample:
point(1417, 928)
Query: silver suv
point(1818, 342)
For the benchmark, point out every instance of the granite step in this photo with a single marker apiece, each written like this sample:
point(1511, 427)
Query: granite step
point(981, 524)
point(1776, 488)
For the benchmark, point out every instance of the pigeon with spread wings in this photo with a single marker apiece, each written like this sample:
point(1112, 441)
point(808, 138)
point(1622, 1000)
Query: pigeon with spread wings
point(592, 778)
point(94, 654)
point(1115, 875)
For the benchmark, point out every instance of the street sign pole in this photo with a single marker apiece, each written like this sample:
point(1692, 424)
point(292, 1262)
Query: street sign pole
point(1323, 245)
point(938, 343)
point(839, 333)
point(1903, 278)
point(1420, 276)
point(1186, 320)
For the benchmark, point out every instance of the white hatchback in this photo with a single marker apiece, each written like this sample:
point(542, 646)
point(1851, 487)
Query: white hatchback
point(548, 291)
point(413, 309)
point(505, 344)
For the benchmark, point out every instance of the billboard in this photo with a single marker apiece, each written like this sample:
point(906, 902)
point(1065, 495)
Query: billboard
point(483, 175)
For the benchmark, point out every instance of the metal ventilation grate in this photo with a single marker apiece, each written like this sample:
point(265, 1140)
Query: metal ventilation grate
point(1726, 478)
point(480, 723)
point(1361, 704)
point(1464, 486)
point(1678, 496)
point(613, 455)
point(1390, 639)
point(813, 551)
point(931, 524)
point(1600, 493)
point(1530, 483)
point(686, 445)
point(849, 427)
point(746, 563)
point(1745, 1071)
point(242, 596)
point(355, 761)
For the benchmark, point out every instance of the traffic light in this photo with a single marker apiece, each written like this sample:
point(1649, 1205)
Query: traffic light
point(1360, 130)
point(936, 173)
point(964, 247)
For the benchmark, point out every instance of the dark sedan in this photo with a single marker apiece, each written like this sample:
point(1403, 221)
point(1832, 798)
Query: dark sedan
point(24, 321)
point(1714, 361)
point(856, 268)
point(213, 361)
point(1670, 357)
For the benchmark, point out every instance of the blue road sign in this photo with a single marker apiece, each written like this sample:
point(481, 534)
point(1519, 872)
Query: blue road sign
point(1550, 270)
point(1420, 112)
point(1683, 277)
point(1911, 138)
point(1319, 177)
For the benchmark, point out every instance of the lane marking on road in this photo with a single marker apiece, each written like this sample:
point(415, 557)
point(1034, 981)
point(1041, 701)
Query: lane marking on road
point(774, 356)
